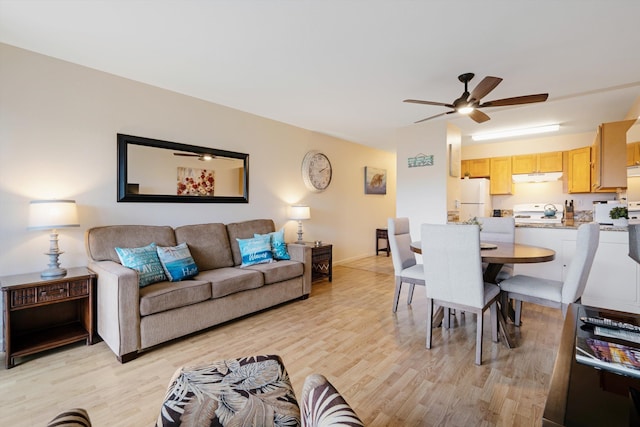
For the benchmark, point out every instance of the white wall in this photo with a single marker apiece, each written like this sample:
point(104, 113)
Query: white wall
point(58, 126)
point(422, 191)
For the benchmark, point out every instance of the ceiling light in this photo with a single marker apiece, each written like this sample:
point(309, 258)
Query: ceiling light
point(465, 110)
point(515, 132)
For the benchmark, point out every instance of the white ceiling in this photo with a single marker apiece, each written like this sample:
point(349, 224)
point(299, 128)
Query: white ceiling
point(343, 67)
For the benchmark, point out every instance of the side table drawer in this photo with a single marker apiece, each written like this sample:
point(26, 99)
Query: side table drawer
point(40, 294)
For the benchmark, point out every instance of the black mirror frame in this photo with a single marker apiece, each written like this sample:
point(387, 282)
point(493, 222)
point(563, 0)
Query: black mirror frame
point(123, 196)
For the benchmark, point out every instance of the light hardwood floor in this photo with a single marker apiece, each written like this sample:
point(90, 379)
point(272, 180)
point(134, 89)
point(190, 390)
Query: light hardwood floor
point(346, 331)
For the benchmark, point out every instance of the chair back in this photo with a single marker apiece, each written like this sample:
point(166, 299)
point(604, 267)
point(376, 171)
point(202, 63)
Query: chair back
point(400, 244)
point(498, 229)
point(452, 263)
point(578, 272)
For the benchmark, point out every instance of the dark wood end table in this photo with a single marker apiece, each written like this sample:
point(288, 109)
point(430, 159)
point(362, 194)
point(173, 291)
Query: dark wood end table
point(41, 314)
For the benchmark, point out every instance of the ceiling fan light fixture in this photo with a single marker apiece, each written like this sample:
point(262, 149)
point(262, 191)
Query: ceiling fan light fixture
point(206, 157)
point(466, 110)
point(515, 132)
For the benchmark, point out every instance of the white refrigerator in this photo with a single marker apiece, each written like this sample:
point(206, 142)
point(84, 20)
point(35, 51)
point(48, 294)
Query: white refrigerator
point(475, 200)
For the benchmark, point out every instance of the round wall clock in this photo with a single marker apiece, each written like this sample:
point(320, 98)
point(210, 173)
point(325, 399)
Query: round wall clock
point(316, 171)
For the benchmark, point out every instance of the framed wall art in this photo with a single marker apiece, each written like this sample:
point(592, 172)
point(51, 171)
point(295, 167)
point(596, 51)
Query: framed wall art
point(375, 180)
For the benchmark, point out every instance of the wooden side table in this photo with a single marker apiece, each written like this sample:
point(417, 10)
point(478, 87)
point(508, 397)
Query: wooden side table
point(41, 314)
point(382, 234)
point(321, 261)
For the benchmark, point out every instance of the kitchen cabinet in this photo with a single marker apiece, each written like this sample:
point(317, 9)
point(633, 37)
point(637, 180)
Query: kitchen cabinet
point(537, 163)
point(579, 170)
point(501, 181)
point(476, 168)
point(633, 154)
point(609, 157)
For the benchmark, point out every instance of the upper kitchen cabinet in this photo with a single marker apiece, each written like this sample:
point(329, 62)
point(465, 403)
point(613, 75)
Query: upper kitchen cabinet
point(476, 168)
point(609, 157)
point(633, 154)
point(579, 170)
point(501, 181)
point(537, 163)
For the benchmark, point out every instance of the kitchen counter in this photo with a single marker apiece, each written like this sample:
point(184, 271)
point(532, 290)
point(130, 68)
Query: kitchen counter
point(570, 226)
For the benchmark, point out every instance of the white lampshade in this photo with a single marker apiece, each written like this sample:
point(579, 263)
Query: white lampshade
point(52, 214)
point(299, 212)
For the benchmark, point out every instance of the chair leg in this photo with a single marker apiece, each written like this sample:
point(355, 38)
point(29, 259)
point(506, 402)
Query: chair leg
point(479, 338)
point(429, 321)
point(494, 321)
point(396, 295)
point(446, 320)
point(410, 295)
point(518, 312)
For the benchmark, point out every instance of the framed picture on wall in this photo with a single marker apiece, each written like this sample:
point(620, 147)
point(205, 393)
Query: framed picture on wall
point(375, 180)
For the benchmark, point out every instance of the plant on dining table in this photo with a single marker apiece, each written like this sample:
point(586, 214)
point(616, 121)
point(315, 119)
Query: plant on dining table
point(473, 221)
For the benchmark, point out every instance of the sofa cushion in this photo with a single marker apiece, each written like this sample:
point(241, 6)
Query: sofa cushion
point(229, 280)
point(101, 242)
point(279, 271)
point(177, 262)
point(208, 243)
point(256, 250)
point(145, 261)
point(246, 230)
point(278, 246)
point(165, 296)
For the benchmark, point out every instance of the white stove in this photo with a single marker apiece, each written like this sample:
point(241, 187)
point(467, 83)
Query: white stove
point(533, 213)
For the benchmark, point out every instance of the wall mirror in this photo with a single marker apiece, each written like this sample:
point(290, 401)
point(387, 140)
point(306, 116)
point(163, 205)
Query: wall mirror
point(151, 170)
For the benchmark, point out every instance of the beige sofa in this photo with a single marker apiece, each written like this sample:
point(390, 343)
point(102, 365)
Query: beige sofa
point(132, 318)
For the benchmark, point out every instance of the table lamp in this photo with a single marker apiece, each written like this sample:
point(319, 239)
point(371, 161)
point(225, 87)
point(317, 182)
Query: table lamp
point(53, 214)
point(299, 213)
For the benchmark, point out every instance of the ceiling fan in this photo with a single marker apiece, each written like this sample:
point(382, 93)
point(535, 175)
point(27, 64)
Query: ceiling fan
point(205, 157)
point(469, 103)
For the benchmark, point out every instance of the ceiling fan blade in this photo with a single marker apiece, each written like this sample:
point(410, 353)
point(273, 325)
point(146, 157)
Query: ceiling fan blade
point(478, 116)
point(487, 84)
point(526, 99)
point(433, 117)
point(438, 104)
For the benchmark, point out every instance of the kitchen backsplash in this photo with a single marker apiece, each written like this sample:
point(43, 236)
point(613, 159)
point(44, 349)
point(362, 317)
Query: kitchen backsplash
point(578, 216)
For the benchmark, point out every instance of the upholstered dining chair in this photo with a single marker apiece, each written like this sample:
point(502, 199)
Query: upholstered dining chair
point(499, 229)
point(453, 276)
point(554, 293)
point(406, 268)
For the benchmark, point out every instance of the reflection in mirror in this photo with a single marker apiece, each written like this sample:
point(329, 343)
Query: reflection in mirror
point(162, 171)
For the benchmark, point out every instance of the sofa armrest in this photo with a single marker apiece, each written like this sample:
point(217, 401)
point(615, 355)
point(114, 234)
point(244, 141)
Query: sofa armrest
point(302, 253)
point(118, 300)
point(323, 405)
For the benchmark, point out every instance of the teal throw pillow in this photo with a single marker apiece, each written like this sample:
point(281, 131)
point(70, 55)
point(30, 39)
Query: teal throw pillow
point(177, 262)
point(256, 250)
point(278, 246)
point(145, 261)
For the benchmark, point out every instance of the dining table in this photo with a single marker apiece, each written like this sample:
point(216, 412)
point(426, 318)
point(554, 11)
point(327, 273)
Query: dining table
point(496, 255)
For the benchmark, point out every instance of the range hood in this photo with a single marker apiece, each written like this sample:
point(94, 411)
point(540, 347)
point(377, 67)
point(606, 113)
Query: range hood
point(536, 177)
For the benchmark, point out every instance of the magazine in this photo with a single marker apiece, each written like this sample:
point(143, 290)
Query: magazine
point(609, 356)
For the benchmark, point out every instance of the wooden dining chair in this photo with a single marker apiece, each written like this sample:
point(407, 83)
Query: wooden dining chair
point(453, 276)
point(554, 293)
point(405, 266)
point(498, 229)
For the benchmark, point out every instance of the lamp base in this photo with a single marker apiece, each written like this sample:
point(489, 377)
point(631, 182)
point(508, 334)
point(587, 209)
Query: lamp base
point(300, 232)
point(53, 272)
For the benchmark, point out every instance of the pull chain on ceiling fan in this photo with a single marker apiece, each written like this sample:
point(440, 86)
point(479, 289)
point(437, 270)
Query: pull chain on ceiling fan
point(470, 103)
